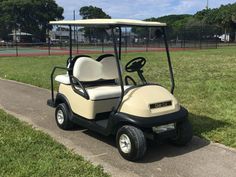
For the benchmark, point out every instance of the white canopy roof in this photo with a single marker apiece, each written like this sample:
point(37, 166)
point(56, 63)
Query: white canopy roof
point(108, 22)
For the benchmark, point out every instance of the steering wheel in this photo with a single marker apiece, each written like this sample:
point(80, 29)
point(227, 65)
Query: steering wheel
point(135, 64)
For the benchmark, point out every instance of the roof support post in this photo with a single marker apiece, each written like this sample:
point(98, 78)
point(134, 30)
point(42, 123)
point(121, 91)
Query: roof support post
point(70, 36)
point(169, 61)
point(118, 55)
point(120, 42)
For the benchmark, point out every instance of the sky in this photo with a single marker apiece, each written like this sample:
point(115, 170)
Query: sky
point(139, 9)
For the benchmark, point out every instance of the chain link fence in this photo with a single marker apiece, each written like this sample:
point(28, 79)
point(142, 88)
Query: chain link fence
point(99, 41)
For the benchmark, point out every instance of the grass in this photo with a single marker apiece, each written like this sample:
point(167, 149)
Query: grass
point(28, 152)
point(205, 84)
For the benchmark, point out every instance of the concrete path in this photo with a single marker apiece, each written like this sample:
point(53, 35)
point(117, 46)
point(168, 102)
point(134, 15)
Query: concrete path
point(199, 159)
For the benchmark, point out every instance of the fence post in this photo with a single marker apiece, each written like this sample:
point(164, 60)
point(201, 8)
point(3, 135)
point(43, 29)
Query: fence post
point(16, 44)
point(235, 36)
point(49, 46)
point(126, 40)
point(102, 42)
point(200, 38)
point(147, 38)
point(184, 37)
point(17, 54)
point(77, 42)
point(216, 43)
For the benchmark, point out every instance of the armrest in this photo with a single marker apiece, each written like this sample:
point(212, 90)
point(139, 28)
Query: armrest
point(73, 81)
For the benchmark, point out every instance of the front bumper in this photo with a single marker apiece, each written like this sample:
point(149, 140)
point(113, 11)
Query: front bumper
point(142, 122)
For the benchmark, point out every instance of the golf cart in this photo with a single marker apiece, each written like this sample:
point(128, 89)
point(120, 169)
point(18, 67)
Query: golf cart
point(92, 94)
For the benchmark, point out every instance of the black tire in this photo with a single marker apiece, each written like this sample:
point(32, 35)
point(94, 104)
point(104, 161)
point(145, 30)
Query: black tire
point(184, 133)
point(137, 140)
point(64, 124)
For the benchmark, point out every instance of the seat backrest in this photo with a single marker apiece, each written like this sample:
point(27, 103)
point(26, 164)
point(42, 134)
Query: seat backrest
point(86, 69)
point(109, 68)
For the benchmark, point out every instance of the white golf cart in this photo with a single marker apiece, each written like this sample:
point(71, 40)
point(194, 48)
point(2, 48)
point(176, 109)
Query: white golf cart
point(92, 94)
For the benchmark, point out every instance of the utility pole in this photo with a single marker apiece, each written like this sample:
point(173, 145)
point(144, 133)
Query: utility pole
point(207, 5)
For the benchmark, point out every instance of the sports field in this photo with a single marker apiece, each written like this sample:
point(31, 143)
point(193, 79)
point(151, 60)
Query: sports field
point(45, 50)
point(205, 84)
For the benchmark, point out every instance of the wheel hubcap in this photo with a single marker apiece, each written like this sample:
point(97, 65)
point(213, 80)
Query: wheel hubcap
point(125, 144)
point(60, 117)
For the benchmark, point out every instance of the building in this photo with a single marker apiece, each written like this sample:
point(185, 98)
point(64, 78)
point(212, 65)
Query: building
point(62, 35)
point(20, 36)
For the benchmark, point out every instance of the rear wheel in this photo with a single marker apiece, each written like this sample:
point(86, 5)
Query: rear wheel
point(184, 133)
point(131, 143)
point(62, 116)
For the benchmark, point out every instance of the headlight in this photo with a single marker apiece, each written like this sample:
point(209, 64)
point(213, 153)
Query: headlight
point(163, 128)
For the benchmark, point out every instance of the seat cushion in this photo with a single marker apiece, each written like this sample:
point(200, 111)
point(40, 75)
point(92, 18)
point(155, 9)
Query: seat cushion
point(64, 79)
point(105, 92)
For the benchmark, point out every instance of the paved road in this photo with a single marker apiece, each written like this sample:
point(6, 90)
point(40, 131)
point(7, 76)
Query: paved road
point(199, 159)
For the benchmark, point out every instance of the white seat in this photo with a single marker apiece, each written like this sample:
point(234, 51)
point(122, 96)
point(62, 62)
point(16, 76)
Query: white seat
point(104, 92)
point(89, 70)
point(86, 70)
point(64, 79)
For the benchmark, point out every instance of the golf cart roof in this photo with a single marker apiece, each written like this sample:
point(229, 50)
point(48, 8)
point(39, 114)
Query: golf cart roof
point(108, 22)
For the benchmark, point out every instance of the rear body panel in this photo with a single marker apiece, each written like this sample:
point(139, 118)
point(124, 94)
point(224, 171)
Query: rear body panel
point(83, 107)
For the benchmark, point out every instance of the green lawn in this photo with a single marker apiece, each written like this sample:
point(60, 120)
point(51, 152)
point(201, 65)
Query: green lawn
point(205, 84)
point(28, 152)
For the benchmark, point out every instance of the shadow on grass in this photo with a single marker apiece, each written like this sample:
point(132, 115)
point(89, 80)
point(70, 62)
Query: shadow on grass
point(204, 124)
point(159, 150)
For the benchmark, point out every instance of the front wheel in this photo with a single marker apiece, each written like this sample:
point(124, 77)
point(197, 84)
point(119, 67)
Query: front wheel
point(184, 133)
point(131, 143)
point(62, 116)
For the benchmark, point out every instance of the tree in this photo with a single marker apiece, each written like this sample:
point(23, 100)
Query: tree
point(92, 12)
point(222, 17)
point(30, 16)
point(174, 22)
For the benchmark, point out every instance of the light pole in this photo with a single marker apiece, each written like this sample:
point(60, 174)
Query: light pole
point(207, 5)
